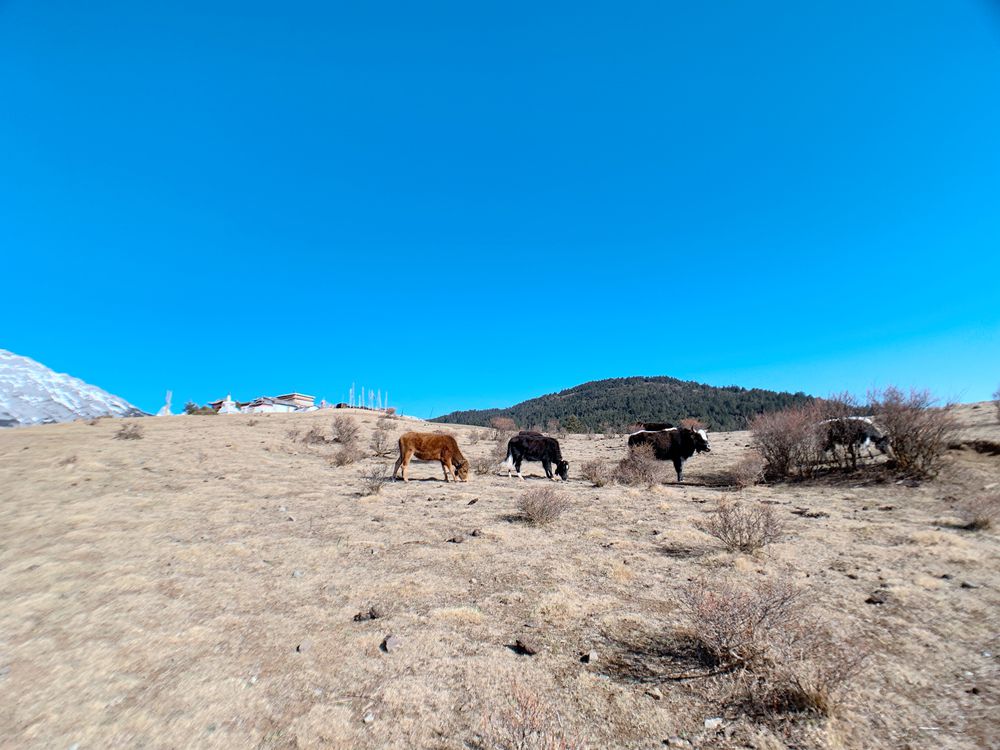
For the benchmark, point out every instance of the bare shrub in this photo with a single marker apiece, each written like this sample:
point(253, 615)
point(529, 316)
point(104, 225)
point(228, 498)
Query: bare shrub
point(639, 468)
point(384, 423)
point(374, 478)
point(596, 472)
point(382, 443)
point(484, 465)
point(980, 513)
point(129, 431)
point(345, 430)
point(733, 624)
point(344, 455)
point(743, 527)
point(526, 723)
point(785, 660)
point(314, 436)
point(748, 471)
point(473, 437)
point(293, 434)
point(788, 441)
point(693, 423)
point(390, 411)
point(918, 428)
point(996, 402)
point(541, 505)
point(503, 427)
point(251, 422)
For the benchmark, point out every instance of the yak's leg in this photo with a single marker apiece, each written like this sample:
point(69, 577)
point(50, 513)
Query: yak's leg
point(517, 468)
point(679, 468)
point(406, 465)
point(399, 462)
point(547, 465)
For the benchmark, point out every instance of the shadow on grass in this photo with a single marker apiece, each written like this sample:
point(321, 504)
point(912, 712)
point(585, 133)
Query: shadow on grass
point(636, 655)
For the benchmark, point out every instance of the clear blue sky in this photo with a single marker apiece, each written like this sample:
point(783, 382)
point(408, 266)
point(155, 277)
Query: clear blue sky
point(469, 204)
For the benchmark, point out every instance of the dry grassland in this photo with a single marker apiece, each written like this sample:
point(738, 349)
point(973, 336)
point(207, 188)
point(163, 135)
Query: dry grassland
point(198, 587)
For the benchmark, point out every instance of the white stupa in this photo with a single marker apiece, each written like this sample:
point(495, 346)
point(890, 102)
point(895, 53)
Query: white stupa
point(229, 406)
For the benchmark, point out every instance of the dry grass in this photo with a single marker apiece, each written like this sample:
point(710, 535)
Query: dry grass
point(344, 455)
point(639, 468)
point(526, 722)
point(980, 512)
point(743, 527)
point(541, 505)
point(596, 472)
point(314, 436)
point(130, 431)
point(156, 592)
point(748, 471)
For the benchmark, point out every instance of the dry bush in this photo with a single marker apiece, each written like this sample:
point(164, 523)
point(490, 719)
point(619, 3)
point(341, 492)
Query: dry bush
point(374, 478)
point(784, 659)
point(918, 429)
point(734, 624)
point(743, 527)
point(979, 513)
point(541, 505)
point(639, 468)
point(315, 436)
point(473, 437)
point(789, 441)
point(344, 455)
point(693, 423)
point(484, 465)
point(345, 430)
point(596, 472)
point(251, 422)
point(129, 431)
point(525, 723)
point(390, 411)
point(384, 423)
point(293, 434)
point(748, 471)
point(382, 443)
point(503, 428)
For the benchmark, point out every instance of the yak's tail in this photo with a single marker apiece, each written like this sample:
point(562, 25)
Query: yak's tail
point(510, 458)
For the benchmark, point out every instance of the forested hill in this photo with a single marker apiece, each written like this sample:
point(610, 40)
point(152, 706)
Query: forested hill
point(618, 402)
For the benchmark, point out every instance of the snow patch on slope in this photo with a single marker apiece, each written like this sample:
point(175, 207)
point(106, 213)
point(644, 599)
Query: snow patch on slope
point(31, 393)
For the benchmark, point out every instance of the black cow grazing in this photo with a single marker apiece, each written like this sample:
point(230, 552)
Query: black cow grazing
point(675, 444)
point(854, 434)
point(533, 446)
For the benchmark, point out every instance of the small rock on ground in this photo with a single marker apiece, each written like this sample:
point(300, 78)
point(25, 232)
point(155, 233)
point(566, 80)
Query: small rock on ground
point(391, 643)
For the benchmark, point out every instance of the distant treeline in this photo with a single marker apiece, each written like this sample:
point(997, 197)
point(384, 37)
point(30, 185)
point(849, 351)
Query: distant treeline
point(612, 405)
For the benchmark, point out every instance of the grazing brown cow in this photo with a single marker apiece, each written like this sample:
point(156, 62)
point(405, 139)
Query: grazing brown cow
point(432, 446)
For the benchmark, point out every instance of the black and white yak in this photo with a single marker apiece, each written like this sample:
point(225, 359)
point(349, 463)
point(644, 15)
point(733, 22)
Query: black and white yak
point(533, 446)
point(854, 435)
point(676, 444)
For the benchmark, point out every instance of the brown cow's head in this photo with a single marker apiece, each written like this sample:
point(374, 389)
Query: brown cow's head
point(462, 468)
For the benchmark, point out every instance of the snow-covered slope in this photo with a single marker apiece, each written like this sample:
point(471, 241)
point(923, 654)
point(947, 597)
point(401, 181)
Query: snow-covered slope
point(31, 393)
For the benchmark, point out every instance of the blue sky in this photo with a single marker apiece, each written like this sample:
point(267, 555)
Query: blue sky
point(469, 204)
